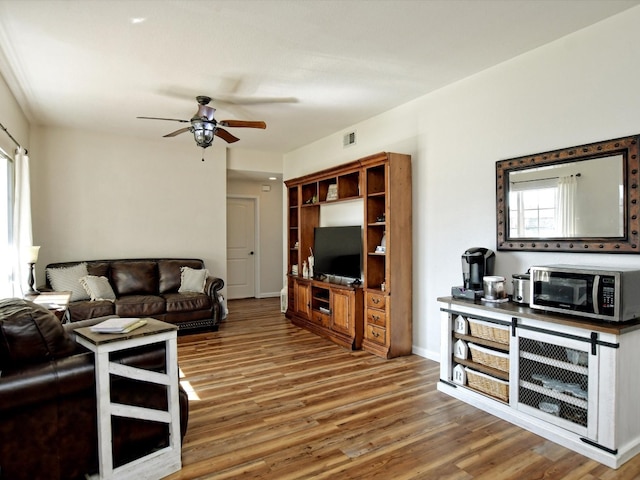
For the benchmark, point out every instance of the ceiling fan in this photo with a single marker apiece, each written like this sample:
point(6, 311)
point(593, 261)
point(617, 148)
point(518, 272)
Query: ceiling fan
point(204, 127)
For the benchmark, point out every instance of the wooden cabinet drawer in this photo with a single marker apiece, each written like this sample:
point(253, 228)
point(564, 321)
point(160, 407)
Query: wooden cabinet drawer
point(320, 318)
point(376, 317)
point(375, 300)
point(376, 334)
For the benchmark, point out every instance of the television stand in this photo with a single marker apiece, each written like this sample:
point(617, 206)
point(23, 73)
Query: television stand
point(380, 186)
point(331, 310)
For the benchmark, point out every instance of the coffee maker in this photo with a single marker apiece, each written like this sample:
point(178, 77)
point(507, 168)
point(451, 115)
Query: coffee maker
point(477, 262)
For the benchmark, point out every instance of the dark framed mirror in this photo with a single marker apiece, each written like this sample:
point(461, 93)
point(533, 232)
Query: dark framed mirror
point(577, 199)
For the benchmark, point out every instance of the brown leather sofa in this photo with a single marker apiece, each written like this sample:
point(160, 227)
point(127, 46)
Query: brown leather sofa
point(48, 427)
point(148, 287)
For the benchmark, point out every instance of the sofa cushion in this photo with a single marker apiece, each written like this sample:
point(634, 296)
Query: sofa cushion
point(170, 272)
point(90, 309)
point(140, 306)
point(187, 302)
point(134, 277)
point(98, 288)
point(30, 334)
point(99, 269)
point(192, 280)
point(68, 279)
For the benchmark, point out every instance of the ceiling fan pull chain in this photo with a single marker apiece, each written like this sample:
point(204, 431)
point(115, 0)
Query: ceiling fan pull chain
point(203, 154)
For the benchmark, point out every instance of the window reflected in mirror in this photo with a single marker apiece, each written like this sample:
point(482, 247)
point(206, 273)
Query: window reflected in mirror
point(582, 198)
point(577, 199)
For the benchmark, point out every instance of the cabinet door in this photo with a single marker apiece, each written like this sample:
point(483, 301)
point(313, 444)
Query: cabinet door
point(303, 299)
point(342, 311)
point(558, 381)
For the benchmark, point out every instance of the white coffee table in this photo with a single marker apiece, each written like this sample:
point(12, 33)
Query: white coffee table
point(159, 463)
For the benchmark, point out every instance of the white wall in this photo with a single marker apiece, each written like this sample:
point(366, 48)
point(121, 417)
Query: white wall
point(270, 234)
point(254, 160)
point(580, 89)
point(13, 119)
point(103, 196)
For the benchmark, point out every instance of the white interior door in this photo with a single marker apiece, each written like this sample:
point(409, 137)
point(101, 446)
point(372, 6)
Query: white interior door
point(241, 248)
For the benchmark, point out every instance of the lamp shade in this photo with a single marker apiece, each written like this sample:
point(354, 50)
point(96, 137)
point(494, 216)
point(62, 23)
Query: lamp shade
point(33, 254)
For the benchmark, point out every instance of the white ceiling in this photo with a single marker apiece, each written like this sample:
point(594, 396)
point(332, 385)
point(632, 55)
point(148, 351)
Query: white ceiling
point(328, 63)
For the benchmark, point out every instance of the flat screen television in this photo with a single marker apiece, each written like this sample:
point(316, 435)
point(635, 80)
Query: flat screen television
point(338, 251)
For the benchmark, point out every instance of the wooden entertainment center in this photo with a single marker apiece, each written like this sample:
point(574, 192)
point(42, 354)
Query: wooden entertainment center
point(377, 314)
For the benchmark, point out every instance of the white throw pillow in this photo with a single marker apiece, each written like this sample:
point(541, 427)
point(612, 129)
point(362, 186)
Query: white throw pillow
point(98, 288)
point(67, 279)
point(192, 280)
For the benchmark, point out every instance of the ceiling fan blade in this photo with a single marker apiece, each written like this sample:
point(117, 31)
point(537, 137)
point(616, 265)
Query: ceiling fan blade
point(177, 132)
point(224, 93)
point(170, 119)
point(226, 136)
point(242, 123)
point(240, 100)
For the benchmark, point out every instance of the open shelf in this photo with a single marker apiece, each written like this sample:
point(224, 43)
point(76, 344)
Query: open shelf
point(481, 341)
point(494, 372)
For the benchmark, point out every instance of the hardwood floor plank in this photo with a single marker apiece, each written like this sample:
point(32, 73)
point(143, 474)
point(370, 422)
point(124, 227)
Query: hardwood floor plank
point(272, 401)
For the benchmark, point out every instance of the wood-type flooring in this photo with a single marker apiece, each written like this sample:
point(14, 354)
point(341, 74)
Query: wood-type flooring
point(273, 401)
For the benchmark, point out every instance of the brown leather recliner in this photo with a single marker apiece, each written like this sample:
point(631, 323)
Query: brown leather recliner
point(48, 419)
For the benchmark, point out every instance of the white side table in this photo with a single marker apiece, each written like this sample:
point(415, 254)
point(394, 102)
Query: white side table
point(159, 463)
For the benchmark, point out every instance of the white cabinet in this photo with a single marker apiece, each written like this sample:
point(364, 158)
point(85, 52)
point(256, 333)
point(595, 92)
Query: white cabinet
point(569, 380)
point(558, 381)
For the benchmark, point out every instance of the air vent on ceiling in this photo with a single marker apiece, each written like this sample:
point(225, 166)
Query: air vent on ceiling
point(349, 139)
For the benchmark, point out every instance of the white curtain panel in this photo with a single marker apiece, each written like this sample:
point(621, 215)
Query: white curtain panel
point(565, 211)
point(22, 238)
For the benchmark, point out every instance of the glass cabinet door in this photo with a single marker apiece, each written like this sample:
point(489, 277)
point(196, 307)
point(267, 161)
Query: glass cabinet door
point(558, 381)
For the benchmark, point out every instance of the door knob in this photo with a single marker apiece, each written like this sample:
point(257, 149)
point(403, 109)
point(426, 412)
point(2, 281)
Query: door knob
point(250, 253)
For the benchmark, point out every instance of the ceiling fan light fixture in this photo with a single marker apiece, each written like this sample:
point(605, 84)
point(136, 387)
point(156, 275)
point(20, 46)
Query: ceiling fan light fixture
point(204, 126)
point(203, 132)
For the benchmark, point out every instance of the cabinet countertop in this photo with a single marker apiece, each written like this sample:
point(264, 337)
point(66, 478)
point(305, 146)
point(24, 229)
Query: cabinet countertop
point(518, 310)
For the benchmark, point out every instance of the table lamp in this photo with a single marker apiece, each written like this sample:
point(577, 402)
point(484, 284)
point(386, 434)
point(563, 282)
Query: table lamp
point(33, 259)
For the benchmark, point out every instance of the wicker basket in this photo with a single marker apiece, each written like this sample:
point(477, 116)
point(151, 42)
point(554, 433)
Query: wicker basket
point(488, 357)
point(487, 384)
point(489, 331)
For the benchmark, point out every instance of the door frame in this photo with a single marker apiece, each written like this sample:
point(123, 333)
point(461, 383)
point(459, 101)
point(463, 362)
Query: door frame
point(256, 238)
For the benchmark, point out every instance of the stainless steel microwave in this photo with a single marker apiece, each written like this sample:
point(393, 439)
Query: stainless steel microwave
point(593, 292)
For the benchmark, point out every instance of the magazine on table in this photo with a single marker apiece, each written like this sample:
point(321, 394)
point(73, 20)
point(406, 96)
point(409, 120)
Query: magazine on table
point(118, 325)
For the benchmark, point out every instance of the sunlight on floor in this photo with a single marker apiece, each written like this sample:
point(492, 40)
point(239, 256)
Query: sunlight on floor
point(191, 393)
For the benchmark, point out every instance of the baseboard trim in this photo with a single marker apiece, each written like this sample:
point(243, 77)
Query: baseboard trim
point(423, 352)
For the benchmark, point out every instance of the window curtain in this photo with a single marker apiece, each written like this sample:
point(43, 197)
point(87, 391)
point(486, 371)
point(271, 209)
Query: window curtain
point(565, 207)
point(21, 238)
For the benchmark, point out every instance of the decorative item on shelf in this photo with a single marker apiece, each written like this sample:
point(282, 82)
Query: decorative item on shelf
point(32, 260)
point(381, 218)
point(294, 269)
point(383, 244)
point(296, 245)
point(305, 269)
point(383, 286)
point(311, 261)
point(460, 325)
point(459, 375)
point(461, 350)
point(332, 192)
